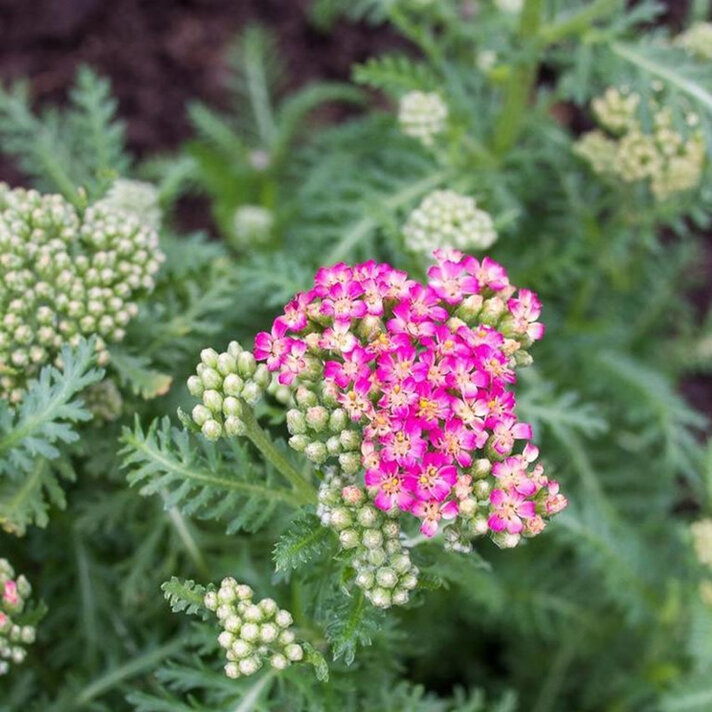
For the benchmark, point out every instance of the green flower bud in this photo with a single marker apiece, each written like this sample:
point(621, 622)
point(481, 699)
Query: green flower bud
point(350, 439)
point(316, 452)
point(234, 427)
point(201, 414)
point(296, 423)
point(246, 364)
point(262, 377)
point(211, 429)
point(233, 385)
point(213, 400)
point(251, 393)
point(338, 420)
point(226, 364)
point(299, 442)
point(317, 417)
point(333, 445)
point(350, 462)
point(294, 652)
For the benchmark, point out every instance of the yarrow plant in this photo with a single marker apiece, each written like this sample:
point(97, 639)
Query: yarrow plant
point(407, 388)
point(15, 592)
point(667, 160)
point(446, 218)
point(65, 275)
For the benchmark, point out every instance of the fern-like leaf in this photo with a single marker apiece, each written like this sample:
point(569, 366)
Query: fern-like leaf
point(304, 540)
point(199, 479)
point(186, 597)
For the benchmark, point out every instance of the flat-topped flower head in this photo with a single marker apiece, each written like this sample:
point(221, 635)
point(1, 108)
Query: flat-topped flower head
point(668, 156)
point(407, 388)
point(64, 275)
point(447, 219)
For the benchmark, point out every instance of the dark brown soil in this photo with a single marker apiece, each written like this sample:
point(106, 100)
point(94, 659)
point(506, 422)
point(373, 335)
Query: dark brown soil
point(160, 54)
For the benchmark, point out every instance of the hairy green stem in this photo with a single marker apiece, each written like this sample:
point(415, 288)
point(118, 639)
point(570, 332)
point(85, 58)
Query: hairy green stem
point(262, 441)
point(521, 80)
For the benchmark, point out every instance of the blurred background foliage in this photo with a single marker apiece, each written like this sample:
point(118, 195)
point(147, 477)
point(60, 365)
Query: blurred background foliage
point(604, 612)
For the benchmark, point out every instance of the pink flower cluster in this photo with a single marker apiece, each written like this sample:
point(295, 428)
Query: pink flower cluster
point(427, 380)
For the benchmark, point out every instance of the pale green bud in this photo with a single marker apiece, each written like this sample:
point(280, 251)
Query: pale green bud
point(212, 430)
point(246, 364)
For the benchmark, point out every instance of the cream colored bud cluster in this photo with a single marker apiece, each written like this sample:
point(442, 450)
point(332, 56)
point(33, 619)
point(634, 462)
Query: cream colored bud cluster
point(672, 162)
point(321, 431)
point(14, 638)
point(384, 570)
point(422, 115)
point(225, 382)
point(64, 276)
point(104, 400)
point(253, 225)
point(135, 198)
point(252, 633)
point(697, 40)
point(446, 218)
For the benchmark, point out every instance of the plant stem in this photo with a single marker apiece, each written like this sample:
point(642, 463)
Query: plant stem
point(521, 80)
point(262, 441)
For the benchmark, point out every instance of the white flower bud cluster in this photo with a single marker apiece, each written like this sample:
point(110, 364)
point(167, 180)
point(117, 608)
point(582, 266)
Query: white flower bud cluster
point(64, 276)
point(224, 381)
point(252, 225)
point(446, 218)
point(14, 637)
point(384, 570)
point(616, 110)
point(104, 400)
point(252, 633)
point(321, 431)
point(135, 198)
point(670, 161)
point(422, 115)
point(697, 40)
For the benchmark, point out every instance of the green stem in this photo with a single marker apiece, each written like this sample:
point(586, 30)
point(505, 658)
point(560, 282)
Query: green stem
point(521, 80)
point(360, 229)
point(575, 23)
point(262, 441)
